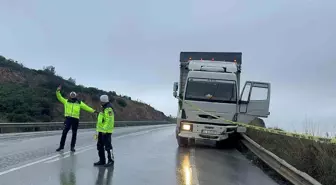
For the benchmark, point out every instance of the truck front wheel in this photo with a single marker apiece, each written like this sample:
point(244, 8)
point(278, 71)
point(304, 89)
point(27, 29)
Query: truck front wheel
point(230, 142)
point(220, 144)
point(182, 141)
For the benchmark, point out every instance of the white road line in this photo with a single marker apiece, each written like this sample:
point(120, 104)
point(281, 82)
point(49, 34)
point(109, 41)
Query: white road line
point(68, 155)
point(91, 146)
point(35, 162)
point(193, 167)
point(58, 155)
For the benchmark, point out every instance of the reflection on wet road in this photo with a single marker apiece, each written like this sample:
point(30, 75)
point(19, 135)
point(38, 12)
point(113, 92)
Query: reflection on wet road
point(184, 168)
point(143, 157)
point(101, 179)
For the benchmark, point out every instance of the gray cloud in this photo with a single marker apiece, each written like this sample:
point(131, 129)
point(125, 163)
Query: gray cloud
point(134, 49)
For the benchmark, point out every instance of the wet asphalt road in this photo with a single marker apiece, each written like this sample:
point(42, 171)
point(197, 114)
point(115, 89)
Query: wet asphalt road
point(144, 156)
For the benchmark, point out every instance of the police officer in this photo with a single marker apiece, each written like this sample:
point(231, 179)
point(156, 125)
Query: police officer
point(72, 107)
point(105, 127)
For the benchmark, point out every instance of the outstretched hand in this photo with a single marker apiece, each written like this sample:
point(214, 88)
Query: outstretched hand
point(59, 87)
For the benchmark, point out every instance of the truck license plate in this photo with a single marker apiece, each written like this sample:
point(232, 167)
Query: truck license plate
point(214, 132)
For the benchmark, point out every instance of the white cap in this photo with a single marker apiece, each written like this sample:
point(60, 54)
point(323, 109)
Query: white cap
point(73, 94)
point(104, 98)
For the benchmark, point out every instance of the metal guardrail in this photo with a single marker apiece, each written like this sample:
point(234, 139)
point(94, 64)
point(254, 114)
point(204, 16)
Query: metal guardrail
point(48, 126)
point(289, 172)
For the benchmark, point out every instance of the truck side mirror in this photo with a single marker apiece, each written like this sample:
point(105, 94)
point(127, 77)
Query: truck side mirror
point(175, 87)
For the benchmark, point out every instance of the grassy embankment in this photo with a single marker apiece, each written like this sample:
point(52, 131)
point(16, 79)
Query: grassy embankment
point(314, 158)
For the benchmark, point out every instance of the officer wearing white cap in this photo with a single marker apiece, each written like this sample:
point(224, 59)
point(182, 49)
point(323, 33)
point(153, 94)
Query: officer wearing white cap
point(72, 108)
point(105, 127)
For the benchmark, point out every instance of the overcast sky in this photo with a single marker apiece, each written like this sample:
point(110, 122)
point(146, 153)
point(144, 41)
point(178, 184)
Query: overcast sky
point(133, 47)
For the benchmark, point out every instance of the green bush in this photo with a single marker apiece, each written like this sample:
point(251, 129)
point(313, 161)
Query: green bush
point(127, 97)
point(13, 117)
point(121, 102)
point(22, 104)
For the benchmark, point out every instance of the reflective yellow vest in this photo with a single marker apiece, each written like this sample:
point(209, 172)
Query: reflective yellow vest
point(72, 108)
point(105, 122)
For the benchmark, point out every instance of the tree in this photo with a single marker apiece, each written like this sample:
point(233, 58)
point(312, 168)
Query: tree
point(113, 93)
point(72, 80)
point(50, 69)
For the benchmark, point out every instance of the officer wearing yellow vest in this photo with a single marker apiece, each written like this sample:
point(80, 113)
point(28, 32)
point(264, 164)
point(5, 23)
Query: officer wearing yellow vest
point(105, 127)
point(72, 108)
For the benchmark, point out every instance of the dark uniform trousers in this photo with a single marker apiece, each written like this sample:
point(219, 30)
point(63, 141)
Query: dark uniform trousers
point(105, 143)
point(73, 124)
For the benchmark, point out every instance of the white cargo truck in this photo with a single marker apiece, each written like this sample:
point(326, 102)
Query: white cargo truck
point(209, 94)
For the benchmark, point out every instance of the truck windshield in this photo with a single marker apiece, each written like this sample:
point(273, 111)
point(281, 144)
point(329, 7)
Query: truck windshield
point(222, 91)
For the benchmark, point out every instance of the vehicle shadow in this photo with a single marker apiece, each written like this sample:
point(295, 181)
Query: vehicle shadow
point(229, 144)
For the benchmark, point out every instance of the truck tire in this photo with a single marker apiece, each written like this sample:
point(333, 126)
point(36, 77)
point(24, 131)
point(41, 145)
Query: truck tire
point(258, 122)
point(220, 144)
point(182, 141)
point(229, 143)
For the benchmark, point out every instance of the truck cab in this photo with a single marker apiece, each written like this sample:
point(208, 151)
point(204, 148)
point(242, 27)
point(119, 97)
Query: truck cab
point(210, 98)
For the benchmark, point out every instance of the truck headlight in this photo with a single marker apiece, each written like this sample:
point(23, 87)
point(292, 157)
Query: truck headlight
point(186, 126)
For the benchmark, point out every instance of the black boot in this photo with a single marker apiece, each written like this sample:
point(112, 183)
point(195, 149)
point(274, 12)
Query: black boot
point(101, 161)
point(109, 163)
point(110, 159)
point(72, 149)
point(59, 149)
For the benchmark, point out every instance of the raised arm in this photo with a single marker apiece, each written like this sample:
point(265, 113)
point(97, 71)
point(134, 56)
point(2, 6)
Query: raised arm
point(86, 107)
point(60, 97)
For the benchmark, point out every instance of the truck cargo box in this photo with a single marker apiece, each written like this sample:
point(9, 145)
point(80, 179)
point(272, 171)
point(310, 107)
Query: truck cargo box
point(185, 57)
point(217, 56)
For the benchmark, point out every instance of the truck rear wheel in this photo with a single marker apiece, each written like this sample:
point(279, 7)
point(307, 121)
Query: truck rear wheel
point(182, 141)
point(258, 122)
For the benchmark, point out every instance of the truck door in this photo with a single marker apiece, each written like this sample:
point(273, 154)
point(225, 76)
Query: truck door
point(255, 99)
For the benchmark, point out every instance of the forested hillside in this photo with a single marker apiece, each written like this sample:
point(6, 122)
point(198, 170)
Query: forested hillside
point(28, 95)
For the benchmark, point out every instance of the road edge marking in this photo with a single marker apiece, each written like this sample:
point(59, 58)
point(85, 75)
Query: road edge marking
point(194, 171)
point(90, 147)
